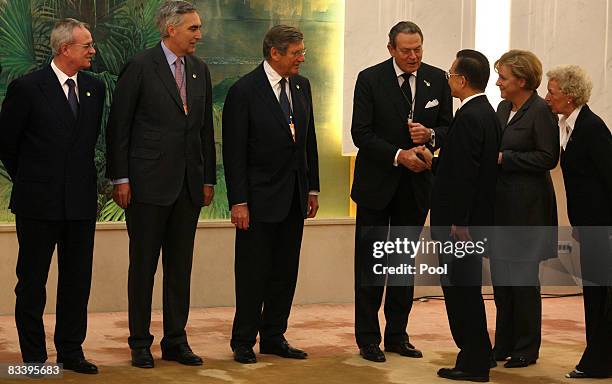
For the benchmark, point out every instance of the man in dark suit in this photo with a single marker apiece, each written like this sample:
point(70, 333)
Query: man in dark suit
point(272, 177)
point(161, 158)
point(463, 197)
point(398, 105)
point(50, 122)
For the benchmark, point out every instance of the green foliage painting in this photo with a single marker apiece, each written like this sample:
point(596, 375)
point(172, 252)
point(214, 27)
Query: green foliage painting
point(231, 45)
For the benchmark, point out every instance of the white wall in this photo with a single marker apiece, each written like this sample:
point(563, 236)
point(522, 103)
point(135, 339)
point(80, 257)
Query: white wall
point(569, 32)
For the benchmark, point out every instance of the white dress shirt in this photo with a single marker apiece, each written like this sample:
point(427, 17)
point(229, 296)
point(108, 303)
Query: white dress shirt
point(274, 78)
point(62, 77)
point(566, 126)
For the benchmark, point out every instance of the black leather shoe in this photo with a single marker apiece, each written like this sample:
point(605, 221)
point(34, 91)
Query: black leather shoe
point(373, 353)
point(518, 362)
point(404, 349)
point(142, 358)
point(492, 363)
point(244, 355)
point(79, 365)
point(500, 356)
point(455, 374)
point(282, 349)
point(183, 354)
point(576, 374)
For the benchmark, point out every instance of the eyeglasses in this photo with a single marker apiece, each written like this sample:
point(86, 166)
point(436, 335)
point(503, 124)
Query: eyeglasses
point(301, 52)
point(448, 75)
point(86, 46)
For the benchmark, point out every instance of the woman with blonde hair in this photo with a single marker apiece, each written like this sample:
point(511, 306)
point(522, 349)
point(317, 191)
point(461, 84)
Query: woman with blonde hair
point(586, 161)
point(525, 209)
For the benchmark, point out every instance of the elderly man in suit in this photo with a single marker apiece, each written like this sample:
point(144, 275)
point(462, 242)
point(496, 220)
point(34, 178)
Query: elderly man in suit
point(272, 177)
point(399, 105)
point(161, 158)
point(50, 121)
point(462, 200)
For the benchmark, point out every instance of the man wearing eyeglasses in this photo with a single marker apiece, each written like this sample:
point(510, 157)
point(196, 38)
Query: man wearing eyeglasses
point(272, 177)
point(400, 106)
point(49, 124)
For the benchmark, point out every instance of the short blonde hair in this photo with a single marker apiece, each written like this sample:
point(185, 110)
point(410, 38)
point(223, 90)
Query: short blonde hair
point(523, 65)
point(573, 81)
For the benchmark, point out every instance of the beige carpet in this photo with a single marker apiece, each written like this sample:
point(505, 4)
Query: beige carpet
point(326, 332)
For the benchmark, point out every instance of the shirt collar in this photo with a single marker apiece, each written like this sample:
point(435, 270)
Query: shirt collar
point(399, 72)
point(571, 119)
point(170, 56)
point(467, 99)
point(61, 76)
point(273, 76)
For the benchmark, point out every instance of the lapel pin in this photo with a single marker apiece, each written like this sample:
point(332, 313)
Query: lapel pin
point(87, 93)
point(427, 83)
point(194, 75)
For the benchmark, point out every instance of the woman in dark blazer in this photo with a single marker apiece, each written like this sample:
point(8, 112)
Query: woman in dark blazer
point(525, 199)
point(586, 161)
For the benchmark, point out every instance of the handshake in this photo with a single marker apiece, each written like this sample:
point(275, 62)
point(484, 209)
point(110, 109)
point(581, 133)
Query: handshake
point(417, 159)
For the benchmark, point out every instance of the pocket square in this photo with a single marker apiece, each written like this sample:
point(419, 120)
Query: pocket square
point(431, 103)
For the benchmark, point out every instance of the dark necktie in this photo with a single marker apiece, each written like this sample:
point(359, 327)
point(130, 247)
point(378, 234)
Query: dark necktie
point(284, 101)
point(407, 91)
point(72, 97)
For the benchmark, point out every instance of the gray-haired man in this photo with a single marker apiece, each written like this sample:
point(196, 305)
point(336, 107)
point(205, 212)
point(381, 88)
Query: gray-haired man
point(50, 121)
point(272, 177)
point(161, 158)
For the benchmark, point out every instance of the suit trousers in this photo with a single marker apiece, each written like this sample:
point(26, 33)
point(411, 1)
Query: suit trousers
point(596, 273)
point(400, 212)
point(266, 269)
point(466, 312)
point(171, 229)
point(37, 241)
point(518, 324)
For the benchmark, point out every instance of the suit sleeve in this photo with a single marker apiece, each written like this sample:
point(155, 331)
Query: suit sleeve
point(362, 126)
point(601, 153)
point(445, 115)
point(545, 155)
point(119, 127)
point(102, 92)
point(467, 148)
point(14, 118)
point(312, 154)
point(207, 136)
point(235, 138)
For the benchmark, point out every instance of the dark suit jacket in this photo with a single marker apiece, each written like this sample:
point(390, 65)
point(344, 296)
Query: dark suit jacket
point(49, 154)
point(262, 162)
point(379, 129)
point(587, 171)
point(149, 138)
point(466, 170)
point(525, 193)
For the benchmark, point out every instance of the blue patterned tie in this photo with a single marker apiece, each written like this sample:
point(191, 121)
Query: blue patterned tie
point(284, 100)
point(72, 98)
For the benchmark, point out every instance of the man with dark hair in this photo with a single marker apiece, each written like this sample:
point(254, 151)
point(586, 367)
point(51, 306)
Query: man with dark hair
point(272, 177)
point(161, 158)
point(50, 122)
point(399, 106)
point(463, 196)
